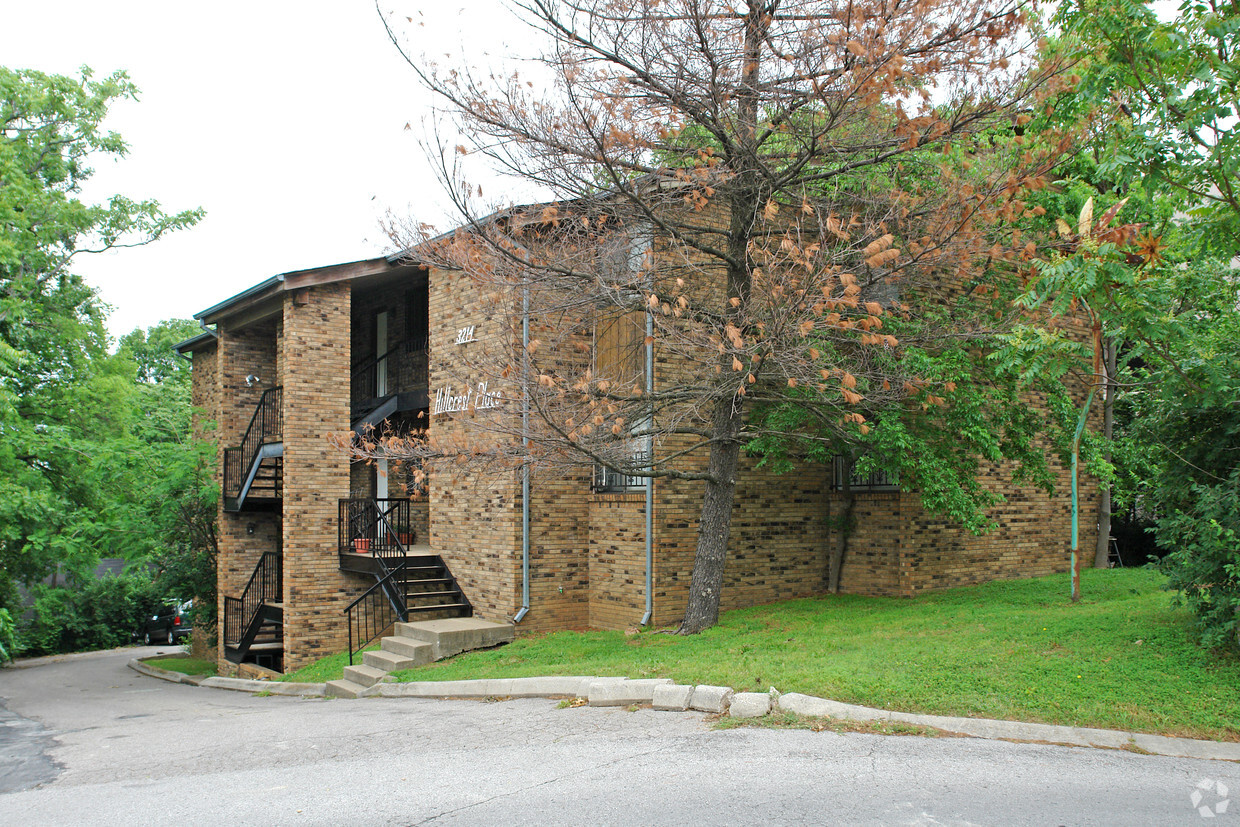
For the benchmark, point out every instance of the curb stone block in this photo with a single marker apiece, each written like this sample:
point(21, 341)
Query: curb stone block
point(624, 693)
point(750, 705)
point(549, 687)
point(714, 699)
point(672, 698)
point(813, 707)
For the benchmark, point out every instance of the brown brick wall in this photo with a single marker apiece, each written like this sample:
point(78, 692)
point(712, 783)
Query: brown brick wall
point(316, 354)
point(475, 519)
point(245, 536)
point(205, 391)
point(617, 574)
point(776, 548)
point(877, 549)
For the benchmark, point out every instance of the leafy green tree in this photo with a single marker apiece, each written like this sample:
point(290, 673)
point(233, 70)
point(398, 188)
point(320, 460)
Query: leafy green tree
point(1160, 96)
point(60, 391)
point(1165, 91)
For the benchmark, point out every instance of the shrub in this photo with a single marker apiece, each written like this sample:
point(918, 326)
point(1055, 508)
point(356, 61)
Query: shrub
point(89, 614)
point(8, 636)
point(1204, 562)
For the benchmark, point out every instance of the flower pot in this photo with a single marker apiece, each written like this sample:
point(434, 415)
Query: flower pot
point(406, 538)
point(361, 545)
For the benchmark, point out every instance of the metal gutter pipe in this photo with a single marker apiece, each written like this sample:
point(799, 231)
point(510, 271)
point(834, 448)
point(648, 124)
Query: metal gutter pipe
point(649, 480)
point(525, 466)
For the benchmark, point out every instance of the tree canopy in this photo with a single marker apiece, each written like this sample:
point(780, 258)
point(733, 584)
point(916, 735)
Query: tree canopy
point(78, 424)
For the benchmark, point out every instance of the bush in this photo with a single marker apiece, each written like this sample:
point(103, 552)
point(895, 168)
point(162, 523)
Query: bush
point(1204, 561)
point(90, 614)
point(8, 636)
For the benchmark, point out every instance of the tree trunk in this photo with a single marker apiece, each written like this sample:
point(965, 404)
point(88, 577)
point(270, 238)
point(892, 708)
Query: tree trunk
point(844, 529)
point(744, 198)
point(716, 523)
point(1103, 550)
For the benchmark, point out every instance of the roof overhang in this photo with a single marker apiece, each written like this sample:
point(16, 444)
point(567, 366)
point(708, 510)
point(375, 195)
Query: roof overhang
point(195, 342)
point(263, 299)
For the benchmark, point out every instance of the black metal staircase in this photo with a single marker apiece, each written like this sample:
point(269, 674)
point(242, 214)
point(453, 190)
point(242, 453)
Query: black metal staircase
point(387, 384)
point(408, 584)
point(254, 622)
point(254, 470)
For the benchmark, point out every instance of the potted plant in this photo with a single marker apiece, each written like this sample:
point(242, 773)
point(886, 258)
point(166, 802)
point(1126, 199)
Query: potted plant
point(361, 545)
point(405, 534)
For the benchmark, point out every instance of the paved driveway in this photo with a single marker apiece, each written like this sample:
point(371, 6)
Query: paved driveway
point(86, 740)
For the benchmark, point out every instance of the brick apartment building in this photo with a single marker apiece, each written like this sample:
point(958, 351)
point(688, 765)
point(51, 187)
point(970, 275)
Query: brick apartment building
point(306, 534)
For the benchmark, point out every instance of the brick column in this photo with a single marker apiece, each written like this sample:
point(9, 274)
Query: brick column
point(315, 360)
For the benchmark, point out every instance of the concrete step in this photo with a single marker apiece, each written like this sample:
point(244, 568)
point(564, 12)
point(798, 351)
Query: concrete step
point(452, 635)
point(416, 650)
point(365, 675)
point(387, 661)
point(343, 689)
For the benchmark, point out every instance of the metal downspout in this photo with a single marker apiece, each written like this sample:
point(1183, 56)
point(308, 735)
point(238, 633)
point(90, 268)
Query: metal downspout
point(1076, 507)
point(525, 466)
point(649, 480)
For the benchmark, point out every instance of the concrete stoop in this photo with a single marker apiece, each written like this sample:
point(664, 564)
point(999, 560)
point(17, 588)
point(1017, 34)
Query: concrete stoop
point(414, 644)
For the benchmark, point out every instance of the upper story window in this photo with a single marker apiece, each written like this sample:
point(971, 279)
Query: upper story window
point(619, 356)
point(857, 482)
point(608, 480)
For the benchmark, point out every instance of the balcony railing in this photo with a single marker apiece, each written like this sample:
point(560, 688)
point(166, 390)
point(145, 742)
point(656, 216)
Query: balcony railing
point(380, 527)
point(401, 369)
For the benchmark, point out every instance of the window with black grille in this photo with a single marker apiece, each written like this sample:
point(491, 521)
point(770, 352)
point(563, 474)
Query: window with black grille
point(858, 482)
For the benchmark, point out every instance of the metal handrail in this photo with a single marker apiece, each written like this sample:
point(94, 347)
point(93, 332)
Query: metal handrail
point(265, 585)
point(369, 520)
point(369, 612)
point(360, 520)
point(266, 424)
point(363, 374)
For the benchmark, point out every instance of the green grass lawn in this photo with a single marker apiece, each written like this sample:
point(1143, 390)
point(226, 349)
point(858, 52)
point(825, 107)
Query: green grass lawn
point(1120, 659)
point(186, 665)
point(330, 668)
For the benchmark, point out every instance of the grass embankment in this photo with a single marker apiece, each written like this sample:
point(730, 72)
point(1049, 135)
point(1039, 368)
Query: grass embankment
point(330, 668)
point(1120, 659)
point(183, 664)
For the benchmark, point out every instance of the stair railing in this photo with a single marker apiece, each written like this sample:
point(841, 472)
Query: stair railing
point(265, 586)
point(375, 611)
point(364, 382)
point(266, 425)
point(384, 603)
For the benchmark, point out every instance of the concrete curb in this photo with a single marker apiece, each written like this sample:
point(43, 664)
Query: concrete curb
point(303, 690)
point(603, 691)
point(163, 674)
point(238, 684)
point(997, 730)
point(574, 686)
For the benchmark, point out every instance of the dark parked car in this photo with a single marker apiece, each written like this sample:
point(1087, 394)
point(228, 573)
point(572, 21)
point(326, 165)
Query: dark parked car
point(170, 625)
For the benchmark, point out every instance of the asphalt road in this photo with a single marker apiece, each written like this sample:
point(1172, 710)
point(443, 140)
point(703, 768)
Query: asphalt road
point(85, 740)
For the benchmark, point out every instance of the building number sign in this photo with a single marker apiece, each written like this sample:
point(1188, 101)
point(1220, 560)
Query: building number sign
point(465, 334)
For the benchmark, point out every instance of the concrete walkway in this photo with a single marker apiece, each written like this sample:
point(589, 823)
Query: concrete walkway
point(665, 695)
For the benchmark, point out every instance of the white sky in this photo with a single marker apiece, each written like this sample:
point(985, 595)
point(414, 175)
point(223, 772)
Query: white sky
point(284, 120)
